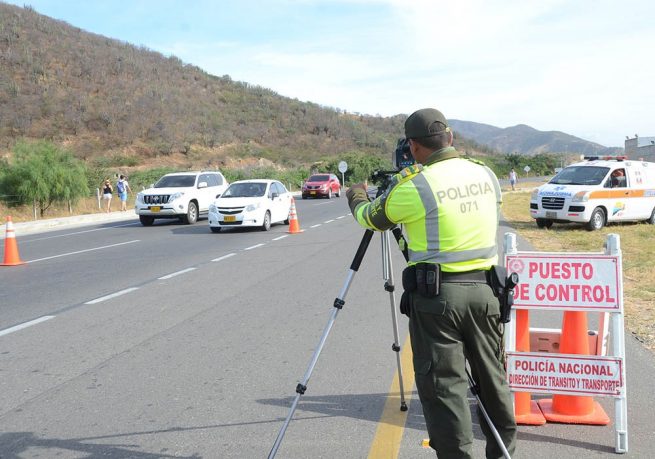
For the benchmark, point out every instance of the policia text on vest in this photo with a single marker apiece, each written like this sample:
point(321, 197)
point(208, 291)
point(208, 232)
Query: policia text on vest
point(449, 209)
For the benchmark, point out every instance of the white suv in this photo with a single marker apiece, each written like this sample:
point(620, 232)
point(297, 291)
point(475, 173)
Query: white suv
point(183, 195)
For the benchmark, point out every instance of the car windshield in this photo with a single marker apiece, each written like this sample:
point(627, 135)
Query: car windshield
point(176, 181)
point(580, 175)
point(319, 178)
point(245, 190)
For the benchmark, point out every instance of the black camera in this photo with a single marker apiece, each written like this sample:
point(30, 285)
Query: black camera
point(402, 156)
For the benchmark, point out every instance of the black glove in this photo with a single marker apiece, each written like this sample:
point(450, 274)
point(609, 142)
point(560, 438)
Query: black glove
point(406, 304)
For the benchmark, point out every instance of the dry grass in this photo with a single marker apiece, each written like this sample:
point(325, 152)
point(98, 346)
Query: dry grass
point(82, 207)
point(636, 244)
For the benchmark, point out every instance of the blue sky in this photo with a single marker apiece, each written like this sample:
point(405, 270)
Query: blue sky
point(584, 67)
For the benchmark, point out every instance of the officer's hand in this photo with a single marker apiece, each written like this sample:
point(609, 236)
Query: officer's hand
point(362, 186)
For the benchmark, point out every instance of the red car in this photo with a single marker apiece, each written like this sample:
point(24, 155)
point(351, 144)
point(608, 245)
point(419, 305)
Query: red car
point(321, 186)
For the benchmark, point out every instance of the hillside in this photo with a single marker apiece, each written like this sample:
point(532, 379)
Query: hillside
point(101, 97)
point(107, 100)
point(527, 140)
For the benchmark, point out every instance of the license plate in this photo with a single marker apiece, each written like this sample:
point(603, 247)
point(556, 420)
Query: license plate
point(229, 218)
point(312, 192)
point(155, 209)
point(551, 214)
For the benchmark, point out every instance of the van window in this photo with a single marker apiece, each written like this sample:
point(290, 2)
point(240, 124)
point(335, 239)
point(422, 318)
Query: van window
point(617, 179)
point(580, 175)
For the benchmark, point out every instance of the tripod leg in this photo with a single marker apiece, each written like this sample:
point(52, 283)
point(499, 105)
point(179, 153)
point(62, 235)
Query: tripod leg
point(475, 390)
point(387, 274)
point(338, 304)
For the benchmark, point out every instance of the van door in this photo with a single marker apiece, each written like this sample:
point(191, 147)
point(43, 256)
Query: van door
point(619, 203)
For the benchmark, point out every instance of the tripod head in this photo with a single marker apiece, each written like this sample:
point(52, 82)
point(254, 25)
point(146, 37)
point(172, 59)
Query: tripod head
point(382, 179)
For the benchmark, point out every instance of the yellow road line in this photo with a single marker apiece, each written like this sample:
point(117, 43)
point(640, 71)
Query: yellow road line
point(389, 434)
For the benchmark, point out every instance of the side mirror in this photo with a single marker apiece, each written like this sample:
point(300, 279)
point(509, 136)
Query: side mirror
point(218, 195)
point(202, 185)
point(274, 195)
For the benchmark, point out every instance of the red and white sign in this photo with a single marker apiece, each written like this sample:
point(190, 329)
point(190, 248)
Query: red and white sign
point(586, 282)
point(565, 374)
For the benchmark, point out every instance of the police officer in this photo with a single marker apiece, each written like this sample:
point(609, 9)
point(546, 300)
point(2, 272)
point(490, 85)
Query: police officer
point(449, 207)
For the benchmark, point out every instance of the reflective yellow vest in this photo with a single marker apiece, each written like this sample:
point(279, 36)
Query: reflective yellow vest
point(450, 211)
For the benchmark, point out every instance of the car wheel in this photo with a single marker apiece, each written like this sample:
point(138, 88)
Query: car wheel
point(215, 229)
point(544, 223)
point(267, 221)
point(329, 195)
point(146, 220)
point(338, 193)
point(651, 220)
point(191, 214)
point(597, 220)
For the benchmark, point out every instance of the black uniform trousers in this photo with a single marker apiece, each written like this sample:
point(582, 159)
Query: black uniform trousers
point(461, 323)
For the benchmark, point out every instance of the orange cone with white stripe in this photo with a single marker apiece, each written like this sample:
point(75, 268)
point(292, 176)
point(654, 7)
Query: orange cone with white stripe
point(574, 409)
point(294, 225)
point(11, 246)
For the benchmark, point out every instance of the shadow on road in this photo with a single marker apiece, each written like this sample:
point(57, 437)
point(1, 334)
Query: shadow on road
point(16, 443)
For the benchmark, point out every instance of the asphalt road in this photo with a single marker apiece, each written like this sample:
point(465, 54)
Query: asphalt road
point(172, 341)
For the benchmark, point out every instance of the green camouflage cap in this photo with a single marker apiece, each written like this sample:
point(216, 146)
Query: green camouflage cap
point(425, 123)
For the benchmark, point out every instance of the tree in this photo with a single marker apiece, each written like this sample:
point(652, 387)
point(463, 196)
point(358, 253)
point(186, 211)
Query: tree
point(42, 173)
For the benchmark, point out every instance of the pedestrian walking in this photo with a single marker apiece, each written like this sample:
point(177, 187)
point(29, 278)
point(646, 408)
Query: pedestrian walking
point(107, 193)
point(513, 178)
point(122, 187)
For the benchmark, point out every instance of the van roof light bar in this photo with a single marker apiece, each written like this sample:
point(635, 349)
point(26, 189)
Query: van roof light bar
point(605, 158)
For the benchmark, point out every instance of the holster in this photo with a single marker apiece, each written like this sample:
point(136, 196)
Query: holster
point(424, 278)
point(502, 286)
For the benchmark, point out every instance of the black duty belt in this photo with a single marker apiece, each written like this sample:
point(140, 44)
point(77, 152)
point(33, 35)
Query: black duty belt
point(479, 276)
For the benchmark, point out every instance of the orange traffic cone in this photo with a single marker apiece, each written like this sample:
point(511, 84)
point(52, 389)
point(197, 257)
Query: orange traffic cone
point(526, 410)
point(11, 247)
point(574, 409)
point(294, 225)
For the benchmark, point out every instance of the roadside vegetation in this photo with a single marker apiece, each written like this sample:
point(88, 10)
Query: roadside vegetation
point(636, 244)
point(42, 180)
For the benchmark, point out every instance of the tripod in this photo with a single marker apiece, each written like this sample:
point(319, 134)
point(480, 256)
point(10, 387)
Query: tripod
point(339, 302)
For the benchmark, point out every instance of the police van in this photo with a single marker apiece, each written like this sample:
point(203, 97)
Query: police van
point(597, 191)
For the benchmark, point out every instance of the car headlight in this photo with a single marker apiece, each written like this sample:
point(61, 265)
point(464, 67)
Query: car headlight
point(324, 186)
point(535, 194)
point(251, 207)
point(175, 196)
point(139, 198)
point(580, 196)
point(212, 208)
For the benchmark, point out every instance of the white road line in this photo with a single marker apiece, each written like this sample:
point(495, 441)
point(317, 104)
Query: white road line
point(314, 226)
point(79, 232)
point(177, 273)
point(253, 246)
point(280, 237)
point(83, 251)
point(224, 257)
point(6, 331)
point(339, 218)
point(113, 295)
point(329, 221)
